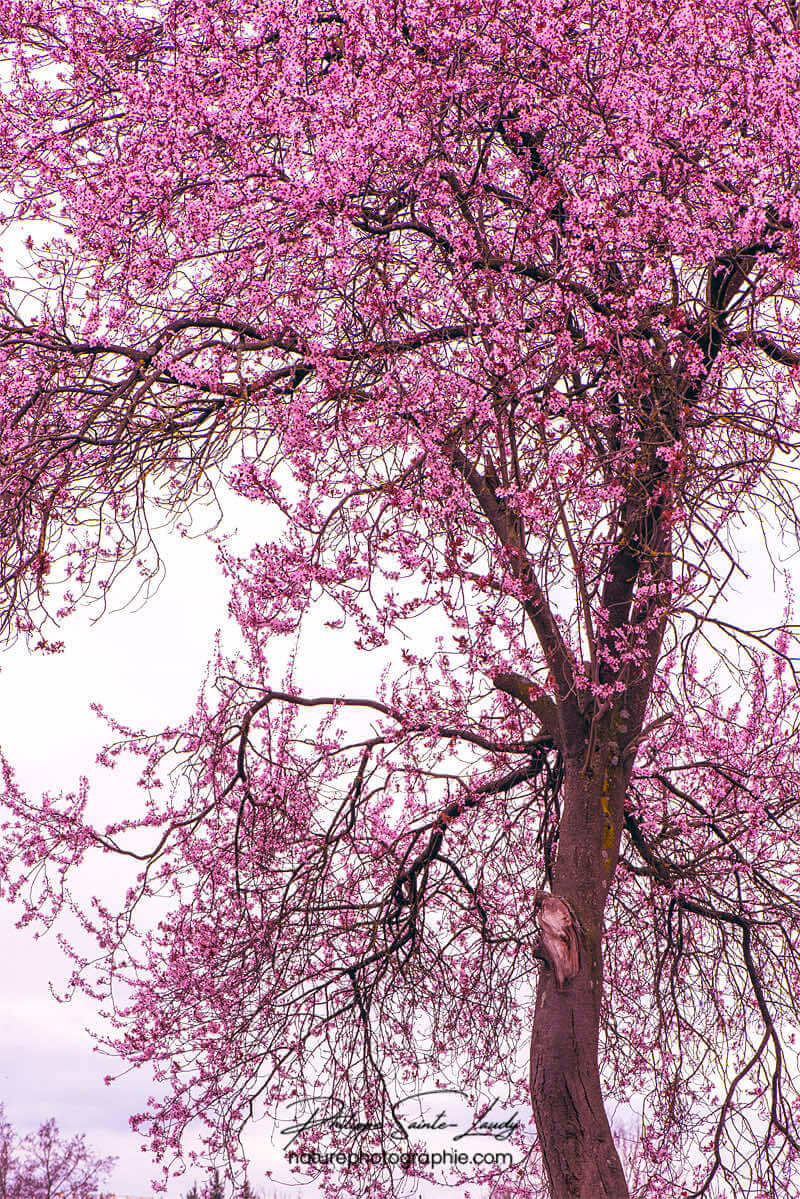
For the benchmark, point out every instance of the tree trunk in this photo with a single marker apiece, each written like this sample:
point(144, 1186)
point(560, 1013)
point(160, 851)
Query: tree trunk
point(574, 1134)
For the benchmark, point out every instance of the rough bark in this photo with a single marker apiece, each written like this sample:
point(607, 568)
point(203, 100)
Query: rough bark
point(574, 1134)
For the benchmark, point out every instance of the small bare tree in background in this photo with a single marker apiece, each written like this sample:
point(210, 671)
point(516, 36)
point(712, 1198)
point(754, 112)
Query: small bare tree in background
point(46, 1164)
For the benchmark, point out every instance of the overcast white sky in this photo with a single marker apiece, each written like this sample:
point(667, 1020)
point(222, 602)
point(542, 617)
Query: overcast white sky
point(145, 668)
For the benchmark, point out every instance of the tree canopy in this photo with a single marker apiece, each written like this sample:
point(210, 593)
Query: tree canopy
point(493, 305)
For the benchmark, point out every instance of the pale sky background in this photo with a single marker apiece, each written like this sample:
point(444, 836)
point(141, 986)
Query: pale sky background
point(145, 668)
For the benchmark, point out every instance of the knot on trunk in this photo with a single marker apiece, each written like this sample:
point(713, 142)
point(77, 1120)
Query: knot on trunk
point(560, 941)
